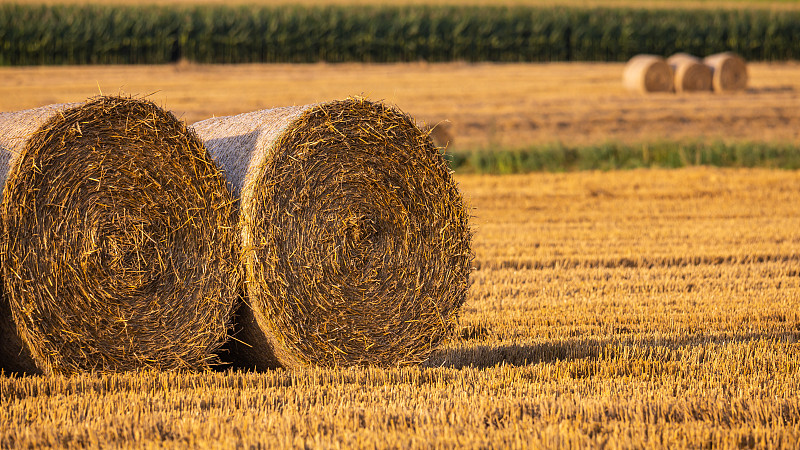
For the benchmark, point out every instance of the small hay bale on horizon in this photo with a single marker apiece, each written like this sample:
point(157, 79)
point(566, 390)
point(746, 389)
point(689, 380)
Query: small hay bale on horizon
point(355, 238)
point(119, 246)
point(729, 72)
point(647, 73)
point(691, 74)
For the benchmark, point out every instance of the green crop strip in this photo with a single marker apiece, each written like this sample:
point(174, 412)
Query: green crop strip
point(92, 34)
point(613, 156)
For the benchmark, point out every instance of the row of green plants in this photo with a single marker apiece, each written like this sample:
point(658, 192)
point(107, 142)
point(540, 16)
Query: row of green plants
point(614, 156)
point(92, 34)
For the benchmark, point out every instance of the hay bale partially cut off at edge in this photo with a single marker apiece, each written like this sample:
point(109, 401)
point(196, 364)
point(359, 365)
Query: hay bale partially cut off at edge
point(355, 237)
point(691, 75)
point(729, 72)
point(119, 247)
point(15, 129)
point(647, 73)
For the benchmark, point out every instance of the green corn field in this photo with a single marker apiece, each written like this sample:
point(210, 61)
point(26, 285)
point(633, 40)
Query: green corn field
point(97, 34)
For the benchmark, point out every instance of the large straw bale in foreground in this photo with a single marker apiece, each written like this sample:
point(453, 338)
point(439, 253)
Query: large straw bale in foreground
point(729, 71)
point(119, 247)
point(647, 73)
point(355, 238)
point(691, 75)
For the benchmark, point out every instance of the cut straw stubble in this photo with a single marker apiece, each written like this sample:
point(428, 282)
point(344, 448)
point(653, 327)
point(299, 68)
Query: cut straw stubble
point(355, 238)
point(119, 249)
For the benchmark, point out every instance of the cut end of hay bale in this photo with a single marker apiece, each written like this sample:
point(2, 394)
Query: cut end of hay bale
point(729, 72)
point(356, 239)
point(120, 249)
point(647, 73)
point(691, 75)
point(367, 253)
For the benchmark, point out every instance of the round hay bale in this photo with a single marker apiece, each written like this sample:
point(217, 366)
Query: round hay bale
point(691, 75)
point(120, 250)
point(647, 73)
point(355, 237)
point(728, 70)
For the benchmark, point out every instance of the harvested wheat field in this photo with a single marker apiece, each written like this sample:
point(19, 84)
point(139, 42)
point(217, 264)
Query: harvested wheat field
point(643, 308)
point(487, 105)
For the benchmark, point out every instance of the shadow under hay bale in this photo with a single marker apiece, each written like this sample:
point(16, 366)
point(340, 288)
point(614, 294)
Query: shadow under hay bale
point(355, 237)
point(647, 73)
point(691, 75)
point(119, 250)
point(729, 72)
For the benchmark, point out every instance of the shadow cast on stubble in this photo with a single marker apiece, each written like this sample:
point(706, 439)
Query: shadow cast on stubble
point(486, 356)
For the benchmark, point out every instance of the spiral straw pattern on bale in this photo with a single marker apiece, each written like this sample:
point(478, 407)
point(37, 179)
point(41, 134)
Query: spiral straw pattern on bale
point(647, 73)
point(354, 235)
point(729, 71)
point(120, 248)
point(691, 75)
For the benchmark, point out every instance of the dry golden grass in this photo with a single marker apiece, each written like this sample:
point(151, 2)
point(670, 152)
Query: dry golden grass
point(506, 105)
point(635, 309)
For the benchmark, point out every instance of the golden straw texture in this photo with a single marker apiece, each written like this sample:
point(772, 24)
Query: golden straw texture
point(647, 73)
point(355, 237)
point(729, 71)
point(15, 130)
point(119, 249)
point(691, 75)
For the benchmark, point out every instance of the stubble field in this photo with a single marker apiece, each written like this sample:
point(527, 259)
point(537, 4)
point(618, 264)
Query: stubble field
point(641, 308)
point(485, 105)
point(632, 308)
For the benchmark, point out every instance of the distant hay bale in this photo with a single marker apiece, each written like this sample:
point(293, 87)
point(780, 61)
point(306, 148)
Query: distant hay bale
point(691, 75)
point(729, 72)
point(647, 73)
point(355, 237)
point(119, 249)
